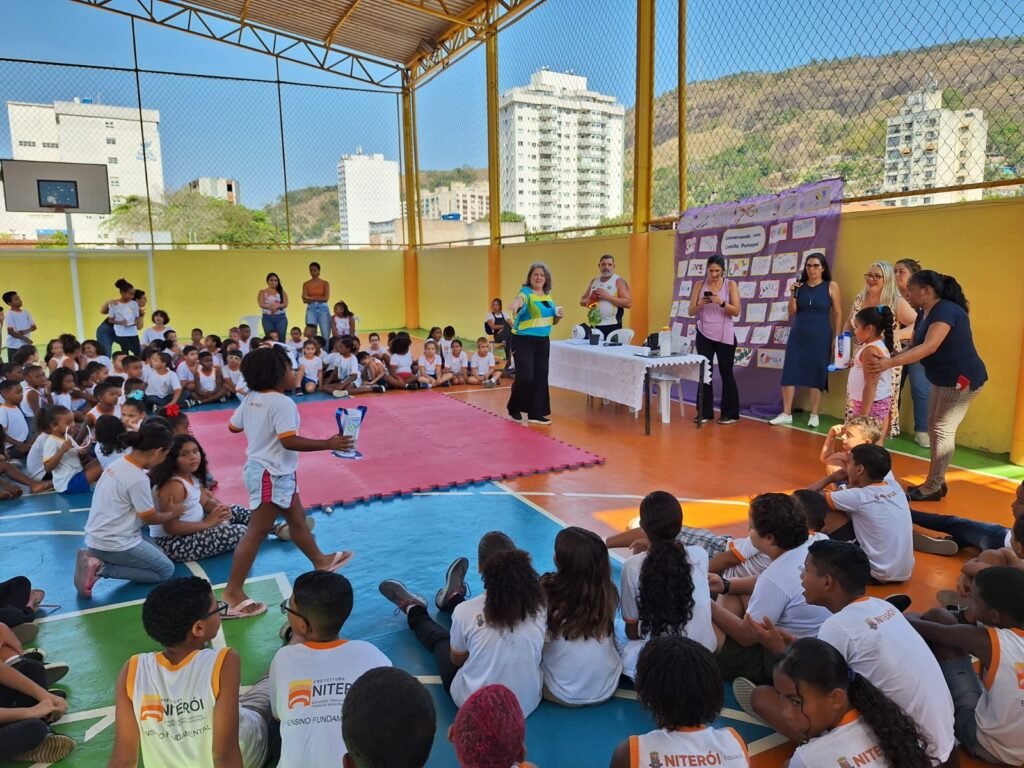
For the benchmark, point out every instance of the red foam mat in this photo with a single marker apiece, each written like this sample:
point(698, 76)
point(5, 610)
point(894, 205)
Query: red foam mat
point(410, 443)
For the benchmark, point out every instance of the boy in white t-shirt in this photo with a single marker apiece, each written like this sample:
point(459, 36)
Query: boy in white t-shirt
point(270, 421)
point(482, 366)
point(987, 709)
point(872, 511)
point(18, 324)
point(875, 639)
point(218, 726)
point(17, 441)
point(310, 678)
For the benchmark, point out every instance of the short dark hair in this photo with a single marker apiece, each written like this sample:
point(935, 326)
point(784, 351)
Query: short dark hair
point(1002, 589)
point(672, 664)
point(776, 515)
point(388, 720)
point(813, 506)
point(844, 561)
point(206, 355)
point(171, 609)
point(315, 264)
point(324, 599)
point(8, 384)
point(874, 458)
point(235, 353)
point(8, 295)
point(265, 368)
point(103, 387)
point(129, 359)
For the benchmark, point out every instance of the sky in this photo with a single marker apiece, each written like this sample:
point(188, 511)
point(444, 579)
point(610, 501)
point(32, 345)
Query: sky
point(230, 128)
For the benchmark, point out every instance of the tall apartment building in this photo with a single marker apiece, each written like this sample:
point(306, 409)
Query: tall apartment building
point(561, 152)
point(225, 189)
point(470, 201)
point(368, 190)
point(80, 131)
point(928, 146)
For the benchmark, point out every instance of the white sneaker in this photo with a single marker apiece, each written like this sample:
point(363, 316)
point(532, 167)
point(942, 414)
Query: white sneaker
point(922, 439)
point(812, 421)
point(782, 419)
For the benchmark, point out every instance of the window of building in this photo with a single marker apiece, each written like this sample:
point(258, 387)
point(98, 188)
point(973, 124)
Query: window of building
point(115, 182)
point(111, 140)
point(927, 200)
point(108, 124)
point(24, 143)
point(51, 144)
point(111, 161)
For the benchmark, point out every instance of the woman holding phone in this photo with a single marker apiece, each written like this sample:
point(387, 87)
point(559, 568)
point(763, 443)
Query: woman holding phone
point(815, 308)
point(715, 304)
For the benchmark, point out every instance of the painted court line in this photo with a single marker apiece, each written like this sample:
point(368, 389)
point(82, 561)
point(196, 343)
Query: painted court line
point(41, 533)
point(196, 569)
point(30, 514)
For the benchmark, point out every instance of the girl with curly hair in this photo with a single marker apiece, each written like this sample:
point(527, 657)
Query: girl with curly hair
point(496, 637)
point(834, 713)
point(580, 664)
point(664, 589)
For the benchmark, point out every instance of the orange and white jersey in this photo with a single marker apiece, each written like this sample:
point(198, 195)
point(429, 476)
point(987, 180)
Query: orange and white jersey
point(999, 709)
point(850, 743)
point(707, 746)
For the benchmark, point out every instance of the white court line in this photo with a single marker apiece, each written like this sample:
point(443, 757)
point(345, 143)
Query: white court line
point(29, 514)
point(443, 493)
point(196, 569)
point(532, 505)
point(477, 391)
point(79, 509)
point(42, 533)
point(515, 493)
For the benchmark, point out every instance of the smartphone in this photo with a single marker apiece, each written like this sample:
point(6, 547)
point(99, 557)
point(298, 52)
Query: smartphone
point(707, 294)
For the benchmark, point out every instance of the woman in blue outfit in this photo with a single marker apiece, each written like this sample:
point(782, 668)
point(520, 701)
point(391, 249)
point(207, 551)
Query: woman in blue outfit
point(815, 307)
point(533, 314)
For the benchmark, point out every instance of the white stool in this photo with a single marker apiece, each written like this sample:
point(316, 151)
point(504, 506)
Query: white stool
point(664, 383)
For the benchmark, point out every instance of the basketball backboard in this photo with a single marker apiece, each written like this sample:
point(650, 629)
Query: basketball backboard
point(31, 186)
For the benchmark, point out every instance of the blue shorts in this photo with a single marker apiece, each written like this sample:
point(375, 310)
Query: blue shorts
point(306, 380)
point(265, 488)
point(77, 484)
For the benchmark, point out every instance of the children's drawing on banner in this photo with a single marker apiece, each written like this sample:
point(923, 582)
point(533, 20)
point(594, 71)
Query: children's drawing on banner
point(681, 268)
point(784, 262)
point(709, 244)
point(743, 357)
point(691, 332)
point(676, 306)
point(747, 289)
point(781, 335)
point(742, 333)
point(739, 267)
point(779, 312)
point(815, 200)
point(691, 246)
point(778, 232)
point(697, 267)
point(685, 290)
point(803, 229)
point(771, 358)
point(788, 205)
point(788, 290)
point(761, 334)
point(768, 289)
point(760, 265)
point(756, 313)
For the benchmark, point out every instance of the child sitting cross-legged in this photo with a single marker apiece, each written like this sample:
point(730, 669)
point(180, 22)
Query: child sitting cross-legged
point(349, 379)
point(26, 710)
point(311, 366)
point(9, 471)
point(456, 363)
point(317, 669)
point(987, 707)
point(233, 380)
point(482, 366)
point(209, 382)
point(62, 456)
point(400, 362)
point(373, 372)
point(431, 368)
point(490, 730)
point(496, 637)
point(669, 666)
point(387, 721)
point(181, 706)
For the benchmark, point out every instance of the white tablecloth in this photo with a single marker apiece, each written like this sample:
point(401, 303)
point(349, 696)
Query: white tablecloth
point(614, 373)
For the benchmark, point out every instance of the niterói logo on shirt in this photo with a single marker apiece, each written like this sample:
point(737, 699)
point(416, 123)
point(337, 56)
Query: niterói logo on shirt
point(300, 693)
point(185, 717)
point(709, 758)
point(152, 709)
point(321, 692)
point(867, 757)
point(1018, 667)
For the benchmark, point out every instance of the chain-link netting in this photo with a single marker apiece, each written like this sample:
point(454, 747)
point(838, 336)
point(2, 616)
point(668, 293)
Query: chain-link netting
point(567, 86)
point(893, 97)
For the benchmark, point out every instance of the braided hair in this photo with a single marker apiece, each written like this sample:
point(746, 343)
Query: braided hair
point(665, 600)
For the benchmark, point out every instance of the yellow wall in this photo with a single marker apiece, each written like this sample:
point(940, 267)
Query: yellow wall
point(573, 263)
point(978, 243)
point(453, 289)
point(44, 282)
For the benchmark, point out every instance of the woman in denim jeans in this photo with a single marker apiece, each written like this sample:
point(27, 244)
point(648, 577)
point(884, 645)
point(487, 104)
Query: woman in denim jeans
point(920, 388)
point(273, 301)
point(316, 294)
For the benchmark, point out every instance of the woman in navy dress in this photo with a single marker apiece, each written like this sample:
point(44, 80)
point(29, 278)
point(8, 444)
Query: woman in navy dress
point(815, 308)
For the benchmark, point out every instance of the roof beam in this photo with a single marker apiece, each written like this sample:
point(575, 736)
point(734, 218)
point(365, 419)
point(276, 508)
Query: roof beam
point(245, 12)
point(184, 17)
point(422, 7)
point(329, 40)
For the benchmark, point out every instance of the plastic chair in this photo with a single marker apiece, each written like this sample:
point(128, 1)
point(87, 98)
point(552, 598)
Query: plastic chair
point(664, 382)
point(255, 323)
point(622, 336)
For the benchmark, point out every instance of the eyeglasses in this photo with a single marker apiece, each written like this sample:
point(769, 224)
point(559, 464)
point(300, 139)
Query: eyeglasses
point(222, 609)
point(813, 266)
point(285, 610)
point(873, 276)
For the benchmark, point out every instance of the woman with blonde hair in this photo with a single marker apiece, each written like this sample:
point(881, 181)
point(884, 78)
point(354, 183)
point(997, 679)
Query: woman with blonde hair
point(880, 290)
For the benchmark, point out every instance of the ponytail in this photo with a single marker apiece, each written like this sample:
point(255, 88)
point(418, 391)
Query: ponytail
point(513, 591)
point(881, 319)
point(150, 437)
point(813, 662)
point(945, 287)
point(665, 592)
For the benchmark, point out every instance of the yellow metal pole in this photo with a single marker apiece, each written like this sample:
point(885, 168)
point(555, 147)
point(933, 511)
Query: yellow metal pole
point(639, 255)
point(412, 214)
point(682, 105)
point(416, 164)
point(1017, 437)
point(493, 159)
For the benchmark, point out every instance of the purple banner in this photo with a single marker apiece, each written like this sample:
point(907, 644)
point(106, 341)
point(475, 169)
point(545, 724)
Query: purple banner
point(765, 241)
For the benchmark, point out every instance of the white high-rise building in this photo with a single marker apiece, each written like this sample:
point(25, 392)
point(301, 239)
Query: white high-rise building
point(225, 189)
point(928, 146)
point(561, 152)
point(470, 201)
point(368, 190)
point(80, 131)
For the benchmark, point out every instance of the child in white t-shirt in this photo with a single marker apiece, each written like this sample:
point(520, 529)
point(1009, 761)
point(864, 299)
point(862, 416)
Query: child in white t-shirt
point(489, 641)
point(311, 368)
point(121, 504)
point(162, 384)
point(310, 678)
point(373, 372)
point(270, 421)
point(18, 323)
point(62, 456)
point(233, 380)
point(17, 437)
point(444, 346)
point(375, 349)
point(669, 665)
point(349, 373)
point(209, 381)
point(400, 364)
point(870, 394)
point(431, 370)
point(482, 366)
point(873, 511)
point(457, 363)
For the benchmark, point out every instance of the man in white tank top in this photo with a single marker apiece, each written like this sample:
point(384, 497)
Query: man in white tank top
point(611, 293)
point(172, 705)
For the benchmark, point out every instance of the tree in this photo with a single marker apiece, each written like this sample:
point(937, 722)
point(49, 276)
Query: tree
point(56, 240)
point(506, 216)
point(952, 98)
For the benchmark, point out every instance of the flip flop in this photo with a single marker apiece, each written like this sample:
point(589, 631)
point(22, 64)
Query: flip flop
point(239, 612)
point(341, 559)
